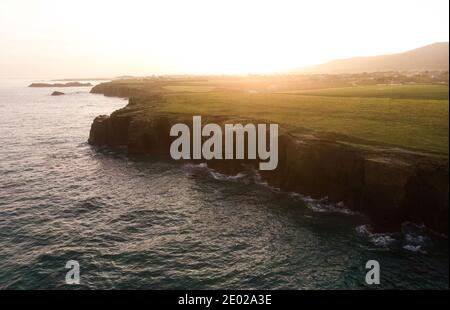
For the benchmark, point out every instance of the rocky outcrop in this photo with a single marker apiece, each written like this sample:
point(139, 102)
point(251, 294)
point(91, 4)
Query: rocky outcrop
point(57, 93)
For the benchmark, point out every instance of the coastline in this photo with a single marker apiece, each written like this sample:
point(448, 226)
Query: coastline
point(389, 185)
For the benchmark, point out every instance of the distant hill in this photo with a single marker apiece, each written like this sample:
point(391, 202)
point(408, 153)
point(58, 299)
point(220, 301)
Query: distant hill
point(429, 57)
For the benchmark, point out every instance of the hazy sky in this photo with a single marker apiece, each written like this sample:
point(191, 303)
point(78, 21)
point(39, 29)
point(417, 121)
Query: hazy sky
point(93, 38)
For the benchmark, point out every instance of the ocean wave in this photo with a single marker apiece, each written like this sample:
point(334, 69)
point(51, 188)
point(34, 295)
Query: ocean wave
point(324, 205)
point(378, 239)
point(224, 177)
point(202, 168)
point(411, 238)
point(415, 238)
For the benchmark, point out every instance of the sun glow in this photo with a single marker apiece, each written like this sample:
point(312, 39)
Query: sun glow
point(87, 38)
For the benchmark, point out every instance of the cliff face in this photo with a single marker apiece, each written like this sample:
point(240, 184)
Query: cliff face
point(389, 186)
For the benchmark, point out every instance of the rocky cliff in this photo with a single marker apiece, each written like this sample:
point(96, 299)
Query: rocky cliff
point(389, 185)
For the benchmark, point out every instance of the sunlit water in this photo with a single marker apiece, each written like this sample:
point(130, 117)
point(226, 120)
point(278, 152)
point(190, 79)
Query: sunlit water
point(149, 223)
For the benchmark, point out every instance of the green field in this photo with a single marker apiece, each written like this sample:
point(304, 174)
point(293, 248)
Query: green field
point(414, 117)
point(438, 92)
point(188, 88)
point(411, 116)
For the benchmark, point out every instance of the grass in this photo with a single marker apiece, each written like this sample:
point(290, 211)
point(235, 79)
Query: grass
point(437, 92)
point(188, 88)
point(409, 116)
point(414, 122)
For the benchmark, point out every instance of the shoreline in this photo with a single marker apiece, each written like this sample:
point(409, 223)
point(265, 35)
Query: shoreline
point(388, 185)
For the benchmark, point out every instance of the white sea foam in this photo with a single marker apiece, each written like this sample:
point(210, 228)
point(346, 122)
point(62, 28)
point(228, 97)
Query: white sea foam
point(379, 239)
point(411, 238)
point(324, 205)
point(412, 248)
point(223, 177)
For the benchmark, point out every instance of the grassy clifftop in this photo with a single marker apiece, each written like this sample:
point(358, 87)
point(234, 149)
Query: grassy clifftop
point(406, 116)
point(381, 150)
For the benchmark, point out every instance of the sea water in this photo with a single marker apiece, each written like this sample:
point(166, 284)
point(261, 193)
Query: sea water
point(149, 223)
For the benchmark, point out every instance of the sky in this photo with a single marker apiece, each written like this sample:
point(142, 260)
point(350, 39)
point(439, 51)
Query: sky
point(94, 38)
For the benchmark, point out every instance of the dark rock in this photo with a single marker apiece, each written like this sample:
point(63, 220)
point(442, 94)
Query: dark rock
point(57, 93)
point(99, 130)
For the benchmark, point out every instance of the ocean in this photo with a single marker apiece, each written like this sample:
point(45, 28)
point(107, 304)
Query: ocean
point(139, 222)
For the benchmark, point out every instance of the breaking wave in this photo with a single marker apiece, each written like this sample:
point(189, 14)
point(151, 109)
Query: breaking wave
point(412, 238)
